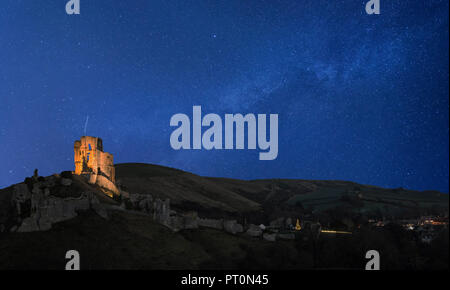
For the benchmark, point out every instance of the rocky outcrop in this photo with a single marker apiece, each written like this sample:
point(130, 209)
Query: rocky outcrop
point(38, 209)
point(96, 206)
point(21, 194)
point(50, 181)
point(66, 181)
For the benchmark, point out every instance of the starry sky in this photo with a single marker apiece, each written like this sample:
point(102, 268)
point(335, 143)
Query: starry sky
point(360, 98)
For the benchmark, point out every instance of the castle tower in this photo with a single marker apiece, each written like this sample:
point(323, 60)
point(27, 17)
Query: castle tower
point(91, 160)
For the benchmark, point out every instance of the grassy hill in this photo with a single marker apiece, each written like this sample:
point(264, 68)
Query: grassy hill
point(271, 198)
point(185, 190)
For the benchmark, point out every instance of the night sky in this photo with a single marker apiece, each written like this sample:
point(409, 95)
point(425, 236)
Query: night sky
point(360, 98)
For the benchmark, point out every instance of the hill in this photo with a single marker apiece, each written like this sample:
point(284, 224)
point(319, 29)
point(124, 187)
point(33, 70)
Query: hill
point(130, 239)
point(271, 198)
point(185, 190)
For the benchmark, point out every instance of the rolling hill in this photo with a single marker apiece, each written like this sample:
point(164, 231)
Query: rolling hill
point(271, 198)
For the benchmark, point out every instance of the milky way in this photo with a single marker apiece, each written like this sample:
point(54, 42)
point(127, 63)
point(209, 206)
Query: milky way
point(361, 98)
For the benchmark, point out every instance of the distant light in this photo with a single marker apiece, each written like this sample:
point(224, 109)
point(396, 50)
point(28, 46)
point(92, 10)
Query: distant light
point(335, 232)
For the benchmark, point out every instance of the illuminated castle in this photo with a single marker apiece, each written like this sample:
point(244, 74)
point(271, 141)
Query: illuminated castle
point(97, 166)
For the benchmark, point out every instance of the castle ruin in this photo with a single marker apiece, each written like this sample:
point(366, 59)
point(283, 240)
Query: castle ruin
point(94, 164)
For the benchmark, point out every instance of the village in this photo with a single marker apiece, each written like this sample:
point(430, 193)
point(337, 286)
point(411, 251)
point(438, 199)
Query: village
point(425, 227)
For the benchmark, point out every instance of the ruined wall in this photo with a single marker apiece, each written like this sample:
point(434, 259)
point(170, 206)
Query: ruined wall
point(105, 162)
point(106, 183)
point(78, 158)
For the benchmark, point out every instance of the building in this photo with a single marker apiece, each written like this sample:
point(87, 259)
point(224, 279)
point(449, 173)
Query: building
point(90, 158)
point(95, 164)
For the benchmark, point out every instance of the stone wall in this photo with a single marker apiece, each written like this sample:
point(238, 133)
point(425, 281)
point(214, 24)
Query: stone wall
point(161, 212)
point(106, 164)
point(107, 184)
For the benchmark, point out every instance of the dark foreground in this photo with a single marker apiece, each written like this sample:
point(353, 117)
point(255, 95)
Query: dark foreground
point(134, 241)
